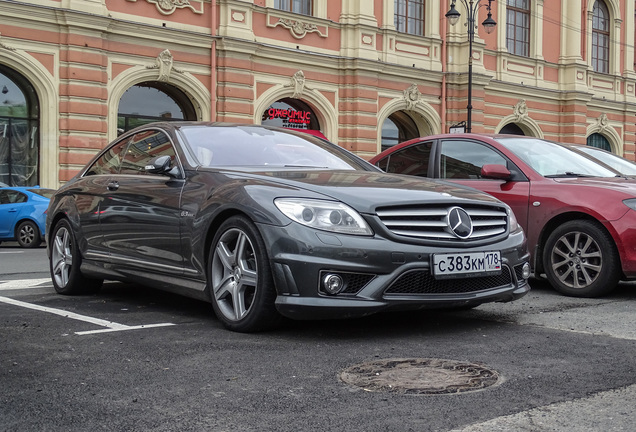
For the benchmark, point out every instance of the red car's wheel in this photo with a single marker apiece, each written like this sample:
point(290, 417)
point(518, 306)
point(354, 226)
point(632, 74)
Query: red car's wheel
point(580, 260)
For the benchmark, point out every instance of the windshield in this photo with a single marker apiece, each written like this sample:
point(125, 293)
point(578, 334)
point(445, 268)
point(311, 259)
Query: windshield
point(552, 160)
point(248, 146)
point(620, 164)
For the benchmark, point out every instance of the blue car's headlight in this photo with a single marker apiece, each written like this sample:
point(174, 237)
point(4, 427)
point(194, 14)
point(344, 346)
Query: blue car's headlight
point(324, 215)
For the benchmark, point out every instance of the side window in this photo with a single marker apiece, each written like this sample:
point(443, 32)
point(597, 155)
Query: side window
point(412, 160)
point(144, 147)
point(109, 162)
point(464, 159)
point(12, 197)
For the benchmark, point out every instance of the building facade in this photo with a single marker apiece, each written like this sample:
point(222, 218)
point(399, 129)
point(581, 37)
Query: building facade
point(364, 73)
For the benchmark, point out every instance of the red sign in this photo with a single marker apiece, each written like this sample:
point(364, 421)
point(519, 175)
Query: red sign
point(289, 115)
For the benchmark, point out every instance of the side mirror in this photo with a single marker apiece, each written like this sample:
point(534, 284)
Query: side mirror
point(159, 165)
point(496, 171)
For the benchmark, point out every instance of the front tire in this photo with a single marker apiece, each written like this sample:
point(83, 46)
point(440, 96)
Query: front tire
point(580, 260)
point(239, 277)
point(28, 235)
point(65, 261)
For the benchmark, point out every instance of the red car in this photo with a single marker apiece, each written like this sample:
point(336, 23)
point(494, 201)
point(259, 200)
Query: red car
point(579, 216)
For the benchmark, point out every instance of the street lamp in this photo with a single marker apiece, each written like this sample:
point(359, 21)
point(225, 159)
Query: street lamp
point(472, 7)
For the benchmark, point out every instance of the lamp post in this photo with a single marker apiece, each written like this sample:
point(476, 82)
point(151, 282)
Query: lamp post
point(472, 7)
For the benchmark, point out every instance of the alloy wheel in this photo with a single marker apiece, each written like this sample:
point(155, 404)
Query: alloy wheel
point(576, 259)
point(62, 256)
point(234, 274)
point(26, 234)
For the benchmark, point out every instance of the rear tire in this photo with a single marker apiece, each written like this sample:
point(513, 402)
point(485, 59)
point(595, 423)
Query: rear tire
point(65, 261)
point(28, 235)
point(240, 280)
point(580, 260)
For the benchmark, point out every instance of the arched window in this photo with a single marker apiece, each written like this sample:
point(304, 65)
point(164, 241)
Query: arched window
point(518, 27)
point(398, 127)
point(599, 141)
point(291, 113)
point(600, 37)
point(512, 129)
point(19, 130)
point(152, 101)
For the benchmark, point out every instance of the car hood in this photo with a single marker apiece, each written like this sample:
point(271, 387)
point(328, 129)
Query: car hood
point(619, 184)
point(366, 190)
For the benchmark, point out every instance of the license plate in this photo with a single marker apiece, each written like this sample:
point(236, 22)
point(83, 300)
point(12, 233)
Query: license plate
point(466, 264)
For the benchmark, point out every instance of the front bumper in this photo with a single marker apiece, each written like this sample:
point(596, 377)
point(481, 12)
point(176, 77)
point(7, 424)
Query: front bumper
point(380, 274)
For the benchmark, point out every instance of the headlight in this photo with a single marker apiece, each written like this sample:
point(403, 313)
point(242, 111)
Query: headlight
point(512, 220)
point(324, 215)
point(631, 203)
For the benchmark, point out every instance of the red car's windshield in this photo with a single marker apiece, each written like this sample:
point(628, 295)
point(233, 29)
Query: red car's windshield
point(552, 160)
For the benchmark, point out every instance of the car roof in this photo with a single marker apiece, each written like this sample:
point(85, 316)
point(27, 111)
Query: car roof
point(26, 188)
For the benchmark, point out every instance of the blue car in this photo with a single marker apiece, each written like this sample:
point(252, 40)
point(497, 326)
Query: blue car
point(22, 214)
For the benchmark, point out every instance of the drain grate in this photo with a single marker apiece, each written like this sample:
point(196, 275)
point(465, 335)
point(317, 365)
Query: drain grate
point(420, 376)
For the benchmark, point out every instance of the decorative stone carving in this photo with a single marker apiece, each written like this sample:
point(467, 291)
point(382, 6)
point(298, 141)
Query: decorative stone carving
point(167, 7)
point(520, 110)
point(297, 81)
point(412, 97)
point(165, 64)
point(602, 122)
point(298, 29)
point(5, 46)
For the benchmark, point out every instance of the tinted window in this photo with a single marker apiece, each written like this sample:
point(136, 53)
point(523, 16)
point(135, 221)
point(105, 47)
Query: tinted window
point(109, 162)
point(411, 160)
point(12, 197)
point(464, 159)
point(144, 147)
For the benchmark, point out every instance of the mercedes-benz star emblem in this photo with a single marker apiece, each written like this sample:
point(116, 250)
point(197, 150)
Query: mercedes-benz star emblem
point(459, 222)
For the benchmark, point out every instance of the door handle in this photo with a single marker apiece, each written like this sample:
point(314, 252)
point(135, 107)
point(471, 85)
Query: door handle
point(113, 186)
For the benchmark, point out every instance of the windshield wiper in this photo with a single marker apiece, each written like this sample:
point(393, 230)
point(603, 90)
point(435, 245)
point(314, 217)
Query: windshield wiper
point(569, 174)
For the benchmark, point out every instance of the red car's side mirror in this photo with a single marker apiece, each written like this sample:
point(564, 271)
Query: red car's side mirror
point(495, 171)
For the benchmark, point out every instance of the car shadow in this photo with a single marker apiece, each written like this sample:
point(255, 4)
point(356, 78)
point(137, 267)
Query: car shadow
point(378, 326)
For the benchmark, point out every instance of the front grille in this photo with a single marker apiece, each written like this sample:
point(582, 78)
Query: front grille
point(423, 282)
point(430, 222)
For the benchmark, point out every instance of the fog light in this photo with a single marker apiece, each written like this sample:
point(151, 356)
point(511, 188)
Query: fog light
point(525, 271)
point(332, 283)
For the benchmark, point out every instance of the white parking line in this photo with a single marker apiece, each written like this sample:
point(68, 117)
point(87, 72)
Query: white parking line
point(22, 284)
point(110, 326)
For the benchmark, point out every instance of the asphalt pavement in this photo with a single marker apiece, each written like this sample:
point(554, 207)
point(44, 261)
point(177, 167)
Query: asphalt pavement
point(135, 359)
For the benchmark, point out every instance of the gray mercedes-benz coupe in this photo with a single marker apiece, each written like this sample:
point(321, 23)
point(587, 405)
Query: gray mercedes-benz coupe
point(266, 223)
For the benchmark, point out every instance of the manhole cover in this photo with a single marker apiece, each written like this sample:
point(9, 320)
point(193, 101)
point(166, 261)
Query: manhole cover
point(420, 376)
